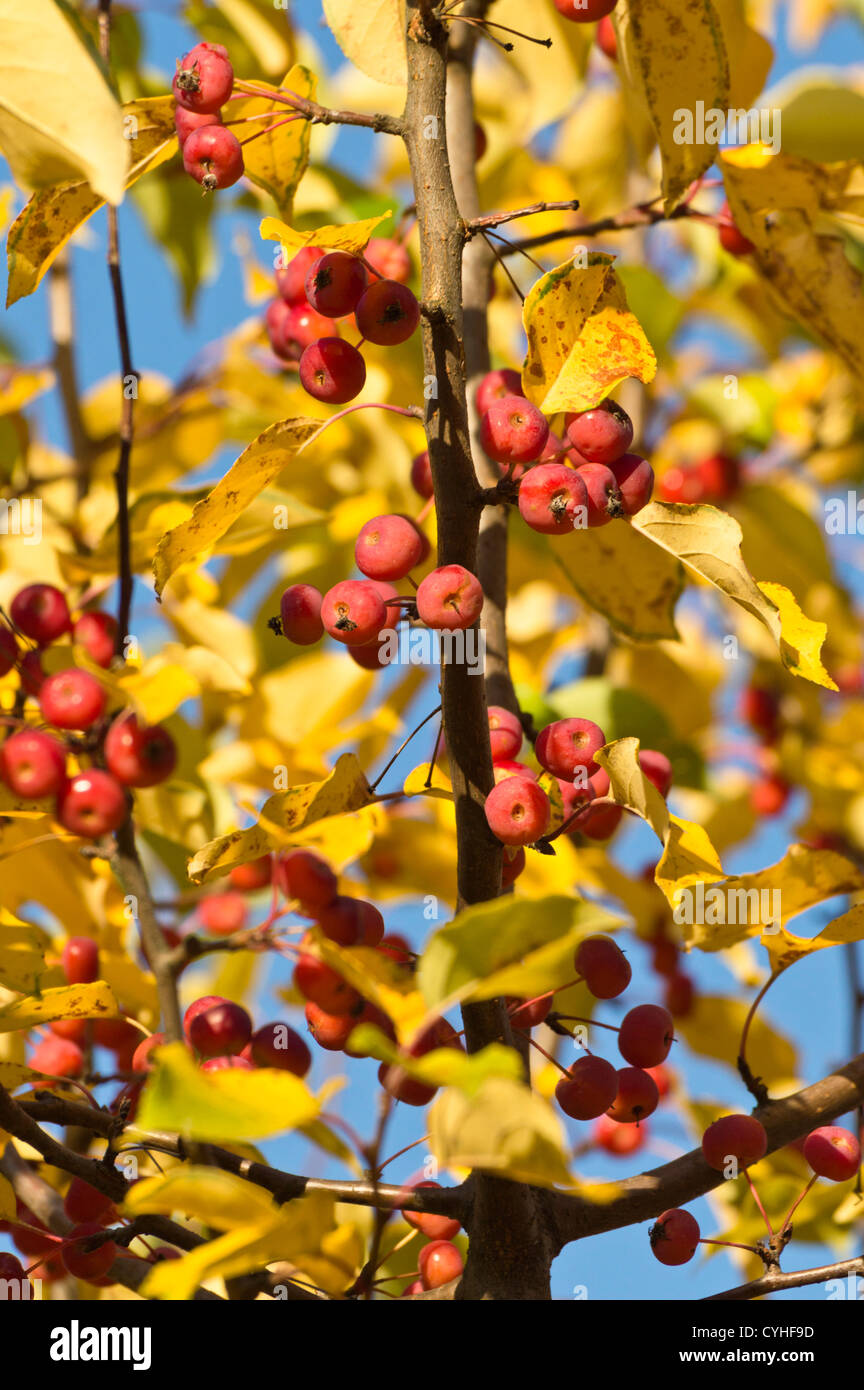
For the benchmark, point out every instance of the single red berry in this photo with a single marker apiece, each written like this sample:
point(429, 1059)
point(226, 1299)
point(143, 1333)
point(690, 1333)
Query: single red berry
point(275, 322)
point(330, 1031)
point(141, 1060)
point(227, 1064)
point(72, 699)
point(291, 279)
point(513, 430)
point(41, 612)
point(657, 768)
point(598, 822)
point(833, 1153)
point(683, 485)
point(588, 1089)
point(770, 794)
point(664, 956)
point(324, 986)
point(440, 1263)
point(117, 1034)
point(449, 598)
point(204, 78)
point(86, 1203)
point(721, 476)
point(387, 313)
point(96, 633)
point(606, 39)
point(512, 865)
point(679, 995)
point(602, 434)
point(731, 238)
point(637, 1096)
point(332, 370)
point(186, 121)
point(604, 498)
point(505, 732)
point(421, 475)
point(738, 1137)
point(353, 612)
point(13, 1276)
point(389, 259)
point(91, 803)
point(635, 479)
point(603, 966)
point(529, 1013)
point(518, 811)
point(674, 1237)
point(221, 1030)
point(213, 156)
point(72, 1029)
point(646, 1035)
point(301, 327)
point(56, 1057)
point(9, 649)
point(33, 764)
point(303, 875)
point(277, 1045)
point(619, 1140)
point(396, 948)
point(249, 878)
point(507, 767)
point(432, 1226)
point(300, 611)
point(335, 283)
point(82, 1262)
point(497, 384)
point(567, 747)
point(553, 499)
point(661, 1079)
point(80, 960)
point(139, 755)
point(198, 1006)
point(222, 914)
point(388, 547)
point(760, 708)
point(351, 922)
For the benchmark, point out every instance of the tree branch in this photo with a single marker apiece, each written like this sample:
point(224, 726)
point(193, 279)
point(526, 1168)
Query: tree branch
point(775, 1283)
point(127, 866)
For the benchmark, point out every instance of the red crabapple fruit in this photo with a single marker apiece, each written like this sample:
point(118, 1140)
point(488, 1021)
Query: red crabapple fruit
point(33, 764)
point(353, 612)
point(291, 279)
point(731, 238)
point(496, 385)
point(330, 1031)
point(606, 39)
point(301, 327)
point(603, 966)
point(598, 822)
point(506, 767)
point(8, 650)
point(324, 986)
point(637, 1096)
point(518, 811)
point(674, 1237)
point(528, 1013)
point(72, 699)
point(277, 1045)
point(646, 1035)
point(80, 960)
point(223, 913)
point(213, 156)
point(682, 485)
point(635, 478)
point(96, 633)
point(427, 1223)
point(421, 474)
point(141, 1061)
point(721, 476)
point(276, 317)
point(513, 431)
point(679, 995)
point(84, 1202)
point(602, 434)
point(227, 1064)
point(449, 598)
point(204, 78)
point(604, 499)
point(741, 1137)
point(335, 284)
point(300, 611)
point(41, 612)
point(388, 547)
point(389, 259)
point(222, 1030)
point(588, 1089)
point(657, 768)
point(512, 865)
point(91, 803)
point(139, 755)
point(770, 794)
point(332, 370)
point(305, 877)
point(198, 1006)
point(760, 708)
point(439, 1262)
point(833, 1153)
point(57, 1057)
point(553, 499)
point(88, 1264)
point(616, 1139)
point(568, 745)
point(387, 313)
point(186, 121)
point(250, 877)
point(505, 732)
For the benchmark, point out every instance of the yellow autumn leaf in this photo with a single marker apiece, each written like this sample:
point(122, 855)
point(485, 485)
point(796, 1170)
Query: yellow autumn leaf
point(674, 56)
point(749, 52)
point(505, 1129)
point(346, 789)
point(22, 955)
point(352, 237)
point(583, 341)
point(428, 780)
point(67, 1001)
point(20, 808)
point(631, 582)
point(708, 542)
point(53, 215)
point(276, 161)
point(256, 467)
point(59, 119)
point(18, 387)
point(714, 1026)
point(372, 36)
point(204, 1194)
point(13, 1075)
point(784, 947)
point(791, 210)
point(547, 81)
point(443, 1066)
point(378, 978)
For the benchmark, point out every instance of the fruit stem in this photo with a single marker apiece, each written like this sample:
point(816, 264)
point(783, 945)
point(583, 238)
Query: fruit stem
point(756, 1199)
point(403, 746)
point(548, 1055)
point(784, 1228)
point(410, 412)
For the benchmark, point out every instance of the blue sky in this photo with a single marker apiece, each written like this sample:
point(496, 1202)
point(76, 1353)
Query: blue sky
point(618, 1266)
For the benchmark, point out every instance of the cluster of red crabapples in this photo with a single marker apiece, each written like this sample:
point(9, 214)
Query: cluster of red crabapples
point(592, 1087)
point(91, 801)
point(519, 811)
point(316, 289)
point(584, 480)
point(740, 1140)
point(203, 82)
